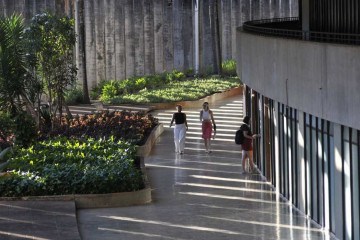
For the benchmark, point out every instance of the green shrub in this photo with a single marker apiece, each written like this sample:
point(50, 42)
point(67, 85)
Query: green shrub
point(20, 130)
point(95, 92)
point(7, 126)
point(25, 129)
point(74, 96)
point(229, 68)
point(69, 166)
point(186, 90)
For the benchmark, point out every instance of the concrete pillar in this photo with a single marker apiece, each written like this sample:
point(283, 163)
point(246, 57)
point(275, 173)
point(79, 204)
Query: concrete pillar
point(305, 17)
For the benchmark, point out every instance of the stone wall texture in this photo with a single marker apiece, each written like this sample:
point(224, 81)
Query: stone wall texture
point(123, 38)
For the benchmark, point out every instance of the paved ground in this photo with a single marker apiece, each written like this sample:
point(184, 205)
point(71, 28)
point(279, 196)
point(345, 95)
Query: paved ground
point(195, 196)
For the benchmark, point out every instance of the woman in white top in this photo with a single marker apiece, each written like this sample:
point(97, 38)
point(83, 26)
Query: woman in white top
point(208, 122)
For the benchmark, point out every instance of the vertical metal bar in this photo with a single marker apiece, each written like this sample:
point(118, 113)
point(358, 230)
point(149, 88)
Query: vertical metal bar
point(310, 166)
point(351, 181)
point(317, 165)
point(343, 181)
point(296, 157)
point(323, 169)
point(329, 170)
point(306, 163)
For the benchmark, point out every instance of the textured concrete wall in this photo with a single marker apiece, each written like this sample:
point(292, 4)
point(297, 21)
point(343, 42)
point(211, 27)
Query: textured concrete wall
point(122, 38)
point(317, 78)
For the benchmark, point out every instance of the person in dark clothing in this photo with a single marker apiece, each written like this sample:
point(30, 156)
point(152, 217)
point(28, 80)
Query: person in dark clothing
point(247, 145)
point(180, 129)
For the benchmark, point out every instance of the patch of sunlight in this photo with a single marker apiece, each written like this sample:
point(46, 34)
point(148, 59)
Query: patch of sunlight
point(15, 220)
point(215, 150)
point(224, 187)
point(186, 168)
point(37, 210)
point(231, 197)
point(278, 225)
point(216, 139)
point(16, 235)
point(214, 163)
point(243, 209)
point(140, 234)
point(229, 179)
point(167, 224)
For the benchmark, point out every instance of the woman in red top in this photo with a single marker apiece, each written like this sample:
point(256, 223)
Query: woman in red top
point(247, 147)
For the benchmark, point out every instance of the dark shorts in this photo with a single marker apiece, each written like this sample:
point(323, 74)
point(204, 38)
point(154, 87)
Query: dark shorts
point(247, 145)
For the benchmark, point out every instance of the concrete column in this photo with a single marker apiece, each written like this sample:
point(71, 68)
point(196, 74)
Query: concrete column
point(120, 53)
point(149, 45)
point(305, 17)
point(158, 35)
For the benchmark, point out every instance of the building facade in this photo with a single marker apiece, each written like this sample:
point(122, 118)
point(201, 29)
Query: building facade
point(302, 77)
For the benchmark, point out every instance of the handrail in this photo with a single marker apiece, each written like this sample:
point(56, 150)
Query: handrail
point(290, 28)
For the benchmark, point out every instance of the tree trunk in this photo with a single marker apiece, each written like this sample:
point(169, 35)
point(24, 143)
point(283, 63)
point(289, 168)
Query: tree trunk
point(80, 49)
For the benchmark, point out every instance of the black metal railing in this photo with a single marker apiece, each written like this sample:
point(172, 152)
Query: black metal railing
point(291, 28)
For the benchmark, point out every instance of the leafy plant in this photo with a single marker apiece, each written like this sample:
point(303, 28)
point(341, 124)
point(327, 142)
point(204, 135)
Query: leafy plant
point(70, 166)
point(134, 127)
point(229, 67)
point(74, 96)
point(185, 90)
point(14, 93)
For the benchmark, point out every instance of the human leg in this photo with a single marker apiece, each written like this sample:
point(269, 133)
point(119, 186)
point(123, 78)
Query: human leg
point(176, 139)
point(244, 157)
point(250, 154)
point(182, 136)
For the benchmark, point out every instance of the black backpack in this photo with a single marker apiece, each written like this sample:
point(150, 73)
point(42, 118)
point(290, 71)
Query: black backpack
point(239, 137)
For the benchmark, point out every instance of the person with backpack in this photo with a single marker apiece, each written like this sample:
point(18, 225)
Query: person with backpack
point(247, 144)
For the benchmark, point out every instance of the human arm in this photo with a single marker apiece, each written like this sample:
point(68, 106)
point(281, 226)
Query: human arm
point(253, 136)
point(186, 124)
point(172, 120)
point(213, 120)
point(201, 114)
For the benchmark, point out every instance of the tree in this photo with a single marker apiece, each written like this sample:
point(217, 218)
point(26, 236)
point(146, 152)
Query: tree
point(53, 40)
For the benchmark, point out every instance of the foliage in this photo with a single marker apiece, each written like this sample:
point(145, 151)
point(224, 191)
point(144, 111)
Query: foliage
point(185, 90)
point(229, 68)
point(20, 130)
point(74, 96)
point(25, 129)
point(114, 88)
point(70, 166)
point(52, 40)
point(134, 127)
point(6, 130)
point(13, 70)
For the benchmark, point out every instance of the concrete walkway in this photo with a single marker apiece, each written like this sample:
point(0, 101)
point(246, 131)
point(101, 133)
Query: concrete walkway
point(195, 196)
point(201, 196)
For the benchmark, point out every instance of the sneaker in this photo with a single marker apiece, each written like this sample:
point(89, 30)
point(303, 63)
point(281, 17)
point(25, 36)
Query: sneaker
point(181, 152)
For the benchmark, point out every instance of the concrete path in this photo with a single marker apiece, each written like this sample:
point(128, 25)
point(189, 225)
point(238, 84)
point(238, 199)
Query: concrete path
point(201, 196)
